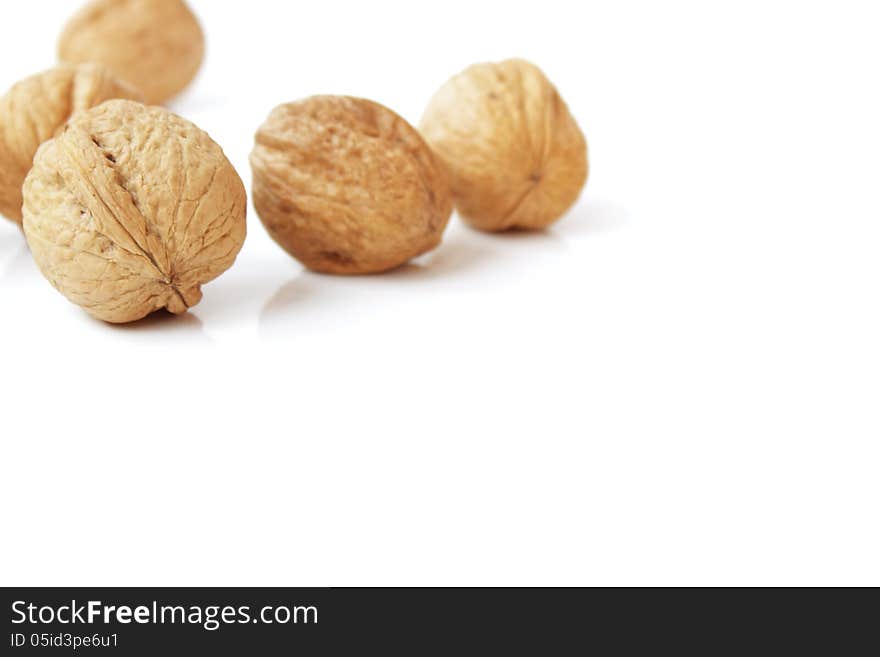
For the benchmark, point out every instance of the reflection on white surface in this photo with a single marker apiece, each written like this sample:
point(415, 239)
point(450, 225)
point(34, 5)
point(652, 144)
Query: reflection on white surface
point(160, 325)
point(266, 294)
point(467, 261)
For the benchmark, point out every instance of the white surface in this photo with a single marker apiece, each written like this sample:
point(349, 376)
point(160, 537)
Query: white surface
point(678, 384)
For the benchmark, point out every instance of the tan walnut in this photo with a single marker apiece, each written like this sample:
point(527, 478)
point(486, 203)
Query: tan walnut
point(515, 155)
point(130, 209)
point(156, 45)
point(34, 109)
point(347, 186)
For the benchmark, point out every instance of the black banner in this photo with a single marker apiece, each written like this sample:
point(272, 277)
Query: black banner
point(151, 621)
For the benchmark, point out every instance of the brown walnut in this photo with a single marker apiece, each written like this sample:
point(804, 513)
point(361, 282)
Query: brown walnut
point(131, 209)
point(156, 45)
point(515, 155)
point(34, 109)
point(347, 186)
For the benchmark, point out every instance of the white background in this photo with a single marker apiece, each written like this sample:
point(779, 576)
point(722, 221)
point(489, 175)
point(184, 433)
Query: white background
point(677, 384)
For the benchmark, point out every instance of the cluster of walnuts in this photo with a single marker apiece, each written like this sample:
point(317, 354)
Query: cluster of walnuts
point(128, 208)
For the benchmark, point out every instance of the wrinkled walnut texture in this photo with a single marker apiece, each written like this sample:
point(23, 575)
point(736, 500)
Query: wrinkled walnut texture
point(516, 157)
point(131, 209)
point(156, 45)
point(347, 186)
point(34, 109)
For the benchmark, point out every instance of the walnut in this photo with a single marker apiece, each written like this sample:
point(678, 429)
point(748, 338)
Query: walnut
point(156, 45)
point(131, 209)
point(515, 156)
point(347, 186)
point(34, 109)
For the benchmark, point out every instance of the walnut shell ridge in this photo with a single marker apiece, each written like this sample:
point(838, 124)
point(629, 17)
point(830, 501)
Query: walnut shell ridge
point(347, 186)
point(515, 155)
point(156, 45)
point(130, 209)
point(35, 108)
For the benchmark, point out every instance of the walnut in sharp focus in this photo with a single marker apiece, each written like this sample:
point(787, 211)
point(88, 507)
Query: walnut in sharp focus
point(156, 45)
point(515, 155)
point(347, 186)
point(131, 209)
point(34, 109)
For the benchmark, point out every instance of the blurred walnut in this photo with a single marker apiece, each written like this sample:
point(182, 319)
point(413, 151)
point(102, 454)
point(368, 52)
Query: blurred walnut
point(131, 209)
point(157, 45)
point(515, 155)
point(35, 108)
point(346, 186)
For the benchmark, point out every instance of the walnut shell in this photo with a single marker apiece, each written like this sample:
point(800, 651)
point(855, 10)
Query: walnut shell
point(347, 186)
point(131, 209)
point(34, 109)
point(156, 45)
point(516, 157)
